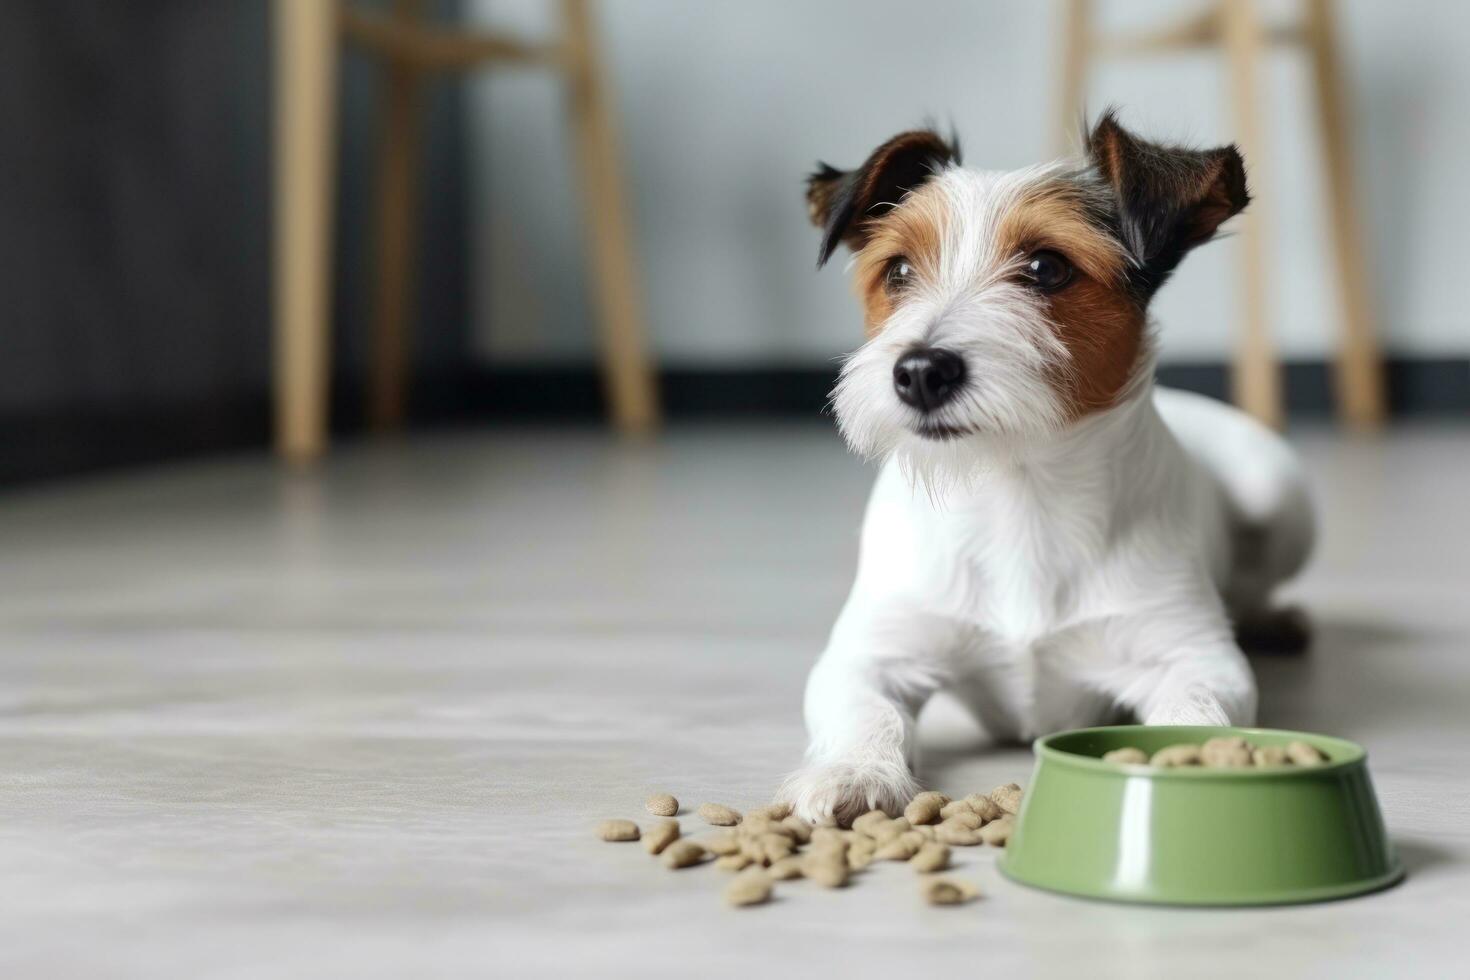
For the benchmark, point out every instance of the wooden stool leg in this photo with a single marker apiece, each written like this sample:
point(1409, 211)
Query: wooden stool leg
point(628, 373)
point(399, 151)
point(1359, 364)
point(1257, 376)
point(305, 134)
point(1072, 88)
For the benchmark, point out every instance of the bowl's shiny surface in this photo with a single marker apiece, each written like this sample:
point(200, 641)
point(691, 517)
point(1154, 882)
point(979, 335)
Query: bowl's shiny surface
point(1199, 836)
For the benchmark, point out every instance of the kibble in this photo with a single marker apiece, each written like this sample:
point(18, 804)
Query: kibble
point(957, 834)
point(734, 862)
point(1176, 755)
point(660, 836)
point(828, 869)
point(775, 811)
point(1304, 755)
point(683, 854)
point(947, 891)
point(1226, 753)
point(931, 857)
point(1269, 755)
point(786, 868)
point(662, 805)
point(998, 832)
point(718, 815)
point(617, 830)
point(1007, 797)
point(752, 887)
point(770, 844)
point(925, 808)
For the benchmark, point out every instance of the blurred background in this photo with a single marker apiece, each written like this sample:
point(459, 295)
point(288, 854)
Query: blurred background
point(137, 206)
point(412, 445)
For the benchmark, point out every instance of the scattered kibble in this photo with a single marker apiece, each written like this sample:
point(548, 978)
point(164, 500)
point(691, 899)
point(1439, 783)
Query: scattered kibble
point(931, 857)
point(947, 891)
point(751, 887)
point(925, 807)
point(662, 834)
point(998, 832)
point(1007, 797)
point(1127, 755)
point(617, 830)
point(662, 805)
point(683, 853)
point(770, 844)
point(718, 815)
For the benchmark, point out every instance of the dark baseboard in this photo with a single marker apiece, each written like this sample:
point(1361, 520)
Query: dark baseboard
point(50, 445)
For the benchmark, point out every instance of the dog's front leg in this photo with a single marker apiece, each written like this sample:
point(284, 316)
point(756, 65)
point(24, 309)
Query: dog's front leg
point(881, 665)
point(1175, 666)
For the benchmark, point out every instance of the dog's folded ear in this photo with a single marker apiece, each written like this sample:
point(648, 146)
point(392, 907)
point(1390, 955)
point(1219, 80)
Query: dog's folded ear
point(1170, 198)
point(842, 202)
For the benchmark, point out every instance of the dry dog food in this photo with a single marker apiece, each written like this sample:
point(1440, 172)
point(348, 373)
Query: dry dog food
point(718, 815)
point(750, 887)
point(662, 805)
point(617, 830)
point(662, 834)
point(1007, 797)
point(925, 808)
point(683, 853)
point(769, 844)
point(947, 891)
point(1225, 752)
point(931, 857)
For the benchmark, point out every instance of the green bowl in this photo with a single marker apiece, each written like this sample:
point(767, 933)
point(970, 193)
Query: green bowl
point(1197, 836)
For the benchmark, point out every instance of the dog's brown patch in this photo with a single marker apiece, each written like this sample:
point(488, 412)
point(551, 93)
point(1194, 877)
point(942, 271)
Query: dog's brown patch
point(1095, 317)
point(914, 231)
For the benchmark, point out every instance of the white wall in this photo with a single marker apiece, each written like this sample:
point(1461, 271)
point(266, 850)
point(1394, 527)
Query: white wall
point(725, 107)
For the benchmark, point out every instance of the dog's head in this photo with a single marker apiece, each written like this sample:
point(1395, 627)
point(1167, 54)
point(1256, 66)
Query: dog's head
point(1002, 308)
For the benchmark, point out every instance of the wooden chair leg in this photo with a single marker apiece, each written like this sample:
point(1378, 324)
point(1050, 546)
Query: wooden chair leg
point(399, 152)
point(305, 134)
point(628, 374)
point(1359, 363)
point(1072, 87)
point(1257, 376)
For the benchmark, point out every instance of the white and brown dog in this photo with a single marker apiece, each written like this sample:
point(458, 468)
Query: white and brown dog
point(1052, 539)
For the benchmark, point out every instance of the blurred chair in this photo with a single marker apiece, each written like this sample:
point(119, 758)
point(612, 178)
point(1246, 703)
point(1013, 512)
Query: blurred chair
point(1233, 26)
point(307, 37)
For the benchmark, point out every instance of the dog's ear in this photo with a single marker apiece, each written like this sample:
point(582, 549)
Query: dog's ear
point(1170, 198)
point(842, 202)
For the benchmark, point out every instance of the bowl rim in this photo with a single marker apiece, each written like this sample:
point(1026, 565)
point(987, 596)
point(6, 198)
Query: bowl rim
point(1342, 754)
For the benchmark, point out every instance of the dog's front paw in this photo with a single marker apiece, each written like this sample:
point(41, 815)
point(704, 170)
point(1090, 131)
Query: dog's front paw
point(1195, 708)
point(845, 791)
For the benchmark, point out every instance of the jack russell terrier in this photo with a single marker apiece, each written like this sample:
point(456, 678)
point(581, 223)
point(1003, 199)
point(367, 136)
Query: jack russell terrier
point(1052, 539)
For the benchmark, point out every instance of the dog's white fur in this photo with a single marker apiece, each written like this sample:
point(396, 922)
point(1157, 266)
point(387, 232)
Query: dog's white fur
point(1051, 574)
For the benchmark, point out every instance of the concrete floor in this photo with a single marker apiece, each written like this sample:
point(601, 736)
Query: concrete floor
point(360, 724)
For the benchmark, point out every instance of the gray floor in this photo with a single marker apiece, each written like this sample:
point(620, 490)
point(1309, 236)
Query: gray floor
point(360, 725)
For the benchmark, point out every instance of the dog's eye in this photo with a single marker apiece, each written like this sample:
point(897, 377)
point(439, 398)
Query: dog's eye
point(1047, 270)
point(899, 274)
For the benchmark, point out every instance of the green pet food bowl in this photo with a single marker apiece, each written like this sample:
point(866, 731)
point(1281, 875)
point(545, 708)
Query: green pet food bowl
point(1198, 836)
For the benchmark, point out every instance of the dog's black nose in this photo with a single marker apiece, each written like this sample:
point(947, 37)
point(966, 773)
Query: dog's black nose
point(927, 377)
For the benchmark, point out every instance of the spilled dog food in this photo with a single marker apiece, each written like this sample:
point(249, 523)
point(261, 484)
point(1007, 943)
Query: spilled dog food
point(770, 844)
point(1228, 752)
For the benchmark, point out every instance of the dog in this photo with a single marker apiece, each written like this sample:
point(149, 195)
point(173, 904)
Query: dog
point(1052, 539)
